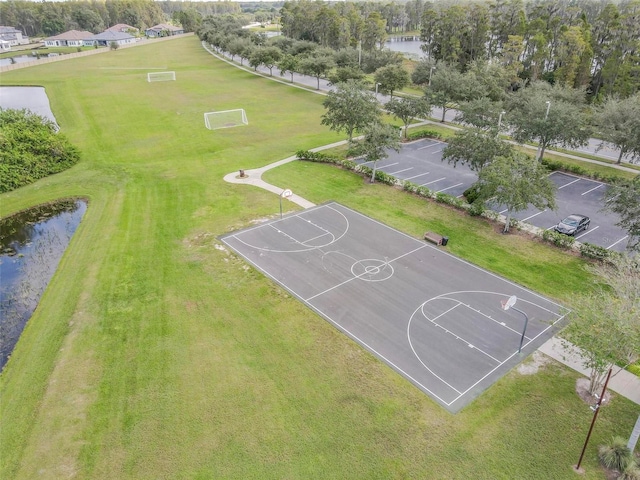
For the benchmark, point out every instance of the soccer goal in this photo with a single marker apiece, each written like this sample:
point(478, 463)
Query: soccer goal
point(160, 76)
point(225, 119)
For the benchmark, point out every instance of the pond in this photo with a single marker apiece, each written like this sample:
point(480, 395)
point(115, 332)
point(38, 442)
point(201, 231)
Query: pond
point(31, 246)
point(34, 99)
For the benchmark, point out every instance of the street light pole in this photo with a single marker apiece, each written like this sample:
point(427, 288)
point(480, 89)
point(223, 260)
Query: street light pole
point(539, 153)
point(377, 85)
point(500, 122)
point(596, 409)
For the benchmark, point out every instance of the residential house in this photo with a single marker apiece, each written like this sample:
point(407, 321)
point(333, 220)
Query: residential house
point(123, 28)
point(13, 36)
point(106, 38)
point(163, 30)
point(72, 38)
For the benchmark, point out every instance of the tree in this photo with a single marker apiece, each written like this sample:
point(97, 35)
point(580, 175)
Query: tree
point(447, 85)
point(113, 45)
point(516, 182)
point(378, 139)
point(624, 199)
point(408, 108)
point(550, 115)
point(605, 329)
point(317, 65)
point(350, 107)
point(392, 78)
point(342, 74)
point(267, 56)
point(482, 113)
point(619, 126)
point(422, 72)
point(473, 147)
point(288, 64)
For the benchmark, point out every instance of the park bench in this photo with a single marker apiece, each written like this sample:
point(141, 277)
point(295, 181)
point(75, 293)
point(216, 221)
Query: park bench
point(435, 238)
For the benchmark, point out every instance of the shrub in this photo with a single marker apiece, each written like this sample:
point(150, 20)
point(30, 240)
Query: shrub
point(418, 134)
point(31, 149)
point(476, 209)
point(472, 193)
point(449, 200)
point(615, 455)
point(590, 250)
point(558, 239)
point(632, 472)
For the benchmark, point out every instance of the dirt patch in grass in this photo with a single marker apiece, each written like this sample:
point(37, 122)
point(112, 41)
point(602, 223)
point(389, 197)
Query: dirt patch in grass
point(582, 389)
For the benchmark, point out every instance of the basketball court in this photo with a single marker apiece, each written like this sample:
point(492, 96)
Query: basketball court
point(437, 320)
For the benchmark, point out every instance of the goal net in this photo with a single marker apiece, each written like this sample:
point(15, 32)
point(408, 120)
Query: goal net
point(225, 119)
point(160, 76)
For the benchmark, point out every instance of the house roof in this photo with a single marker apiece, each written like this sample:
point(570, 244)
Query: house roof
point(110, 36)
point(165, 26)
point(4, 29)
point(120, 27)
point(71, 35)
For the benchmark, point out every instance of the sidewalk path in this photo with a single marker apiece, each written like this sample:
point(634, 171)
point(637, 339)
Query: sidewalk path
point(622, 382)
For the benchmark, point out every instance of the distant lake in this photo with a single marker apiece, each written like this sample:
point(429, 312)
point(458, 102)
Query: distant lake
point(409, 45)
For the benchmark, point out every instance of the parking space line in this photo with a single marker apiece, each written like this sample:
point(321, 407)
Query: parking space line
point(419, 175)
point(452, 186)
point(594, 188)
point(384, 166)
point(535, 214)
point(614, 244)
point(434, 181)
point(567, 184)
point(587, 231)
point(436, 144)
point(505, 210)
point(400, 171)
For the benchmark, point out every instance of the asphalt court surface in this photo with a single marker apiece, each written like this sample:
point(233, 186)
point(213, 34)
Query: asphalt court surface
point(432, 317)
point(421, 163)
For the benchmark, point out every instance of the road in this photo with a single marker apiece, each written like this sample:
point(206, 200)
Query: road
point(312, 82)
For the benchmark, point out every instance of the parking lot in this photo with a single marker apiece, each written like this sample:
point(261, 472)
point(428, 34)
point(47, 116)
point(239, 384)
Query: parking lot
point(421, 163)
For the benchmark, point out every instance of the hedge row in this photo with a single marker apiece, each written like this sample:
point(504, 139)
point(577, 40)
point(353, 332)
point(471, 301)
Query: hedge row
point(557, 165)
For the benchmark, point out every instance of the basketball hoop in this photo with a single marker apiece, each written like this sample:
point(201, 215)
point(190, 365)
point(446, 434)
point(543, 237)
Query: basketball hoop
point(510, 302)
point(285, 194)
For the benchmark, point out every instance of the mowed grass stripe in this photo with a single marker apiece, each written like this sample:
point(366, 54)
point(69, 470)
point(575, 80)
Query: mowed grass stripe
point(155, 354)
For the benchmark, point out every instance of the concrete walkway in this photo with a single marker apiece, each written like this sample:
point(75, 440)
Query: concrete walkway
point(622, 382)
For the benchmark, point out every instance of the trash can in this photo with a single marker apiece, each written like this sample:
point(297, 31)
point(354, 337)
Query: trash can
point(445, 240)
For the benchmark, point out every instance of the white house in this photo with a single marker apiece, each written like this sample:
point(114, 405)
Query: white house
point(5, 46)
point(13, 36)
point(72, 38)
point(106, 38)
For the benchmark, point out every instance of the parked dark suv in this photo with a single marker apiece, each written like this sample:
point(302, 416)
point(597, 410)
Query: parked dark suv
point(573, 224)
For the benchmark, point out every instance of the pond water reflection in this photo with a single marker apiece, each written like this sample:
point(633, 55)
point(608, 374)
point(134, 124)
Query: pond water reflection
point(31, 245)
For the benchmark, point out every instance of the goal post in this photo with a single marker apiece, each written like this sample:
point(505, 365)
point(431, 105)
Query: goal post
point(161, 76)
point(225, 119)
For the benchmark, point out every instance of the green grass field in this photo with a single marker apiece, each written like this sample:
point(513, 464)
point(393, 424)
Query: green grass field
point(155, 353)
